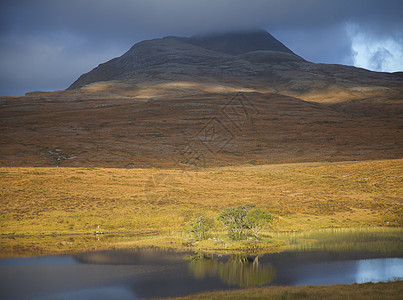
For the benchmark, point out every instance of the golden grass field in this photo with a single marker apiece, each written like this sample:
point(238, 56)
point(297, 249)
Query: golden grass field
point(73, 202)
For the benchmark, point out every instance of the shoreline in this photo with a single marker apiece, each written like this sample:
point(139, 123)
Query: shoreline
point(362, 238)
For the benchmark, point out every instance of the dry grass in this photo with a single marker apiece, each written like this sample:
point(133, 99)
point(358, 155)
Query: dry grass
point(41, 201)
point(367, 291)
point(379, 240)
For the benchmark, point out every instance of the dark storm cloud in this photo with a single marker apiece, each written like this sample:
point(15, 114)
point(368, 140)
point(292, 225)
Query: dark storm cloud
point(46, 44)
point(127, 18)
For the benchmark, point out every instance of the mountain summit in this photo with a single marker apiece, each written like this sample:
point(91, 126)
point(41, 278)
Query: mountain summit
point(210, 56)
point(240, 60)
point(239, 42)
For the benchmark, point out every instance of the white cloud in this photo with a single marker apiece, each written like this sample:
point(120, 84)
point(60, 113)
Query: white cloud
point(375, 53)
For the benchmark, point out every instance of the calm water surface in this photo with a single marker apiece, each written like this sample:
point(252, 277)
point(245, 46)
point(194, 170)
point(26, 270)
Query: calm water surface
point(134, 274)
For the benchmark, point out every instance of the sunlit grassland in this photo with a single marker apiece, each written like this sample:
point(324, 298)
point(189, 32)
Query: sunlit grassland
point(51, 201)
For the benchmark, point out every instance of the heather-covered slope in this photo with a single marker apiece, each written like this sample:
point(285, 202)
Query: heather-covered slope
point(183, 125)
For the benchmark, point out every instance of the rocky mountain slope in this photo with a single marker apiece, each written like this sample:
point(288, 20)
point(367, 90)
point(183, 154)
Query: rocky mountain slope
point(222, 99)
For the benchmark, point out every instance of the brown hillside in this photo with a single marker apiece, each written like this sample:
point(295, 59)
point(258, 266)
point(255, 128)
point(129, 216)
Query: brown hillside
point(182, 124)
point(213, 100)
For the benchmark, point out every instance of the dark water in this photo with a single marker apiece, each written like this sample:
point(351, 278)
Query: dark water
point(133, 274)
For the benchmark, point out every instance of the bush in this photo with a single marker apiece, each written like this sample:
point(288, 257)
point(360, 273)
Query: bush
point(234, 219)
point(200, 225)
point(256, 219)
point(244, 217)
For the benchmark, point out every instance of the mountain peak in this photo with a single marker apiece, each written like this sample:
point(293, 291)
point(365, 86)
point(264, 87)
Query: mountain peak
point(228, 55)
point(239, 42)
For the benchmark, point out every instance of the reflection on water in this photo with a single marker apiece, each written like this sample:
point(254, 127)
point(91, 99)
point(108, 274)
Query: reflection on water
point(238, 270)
point(376, 270)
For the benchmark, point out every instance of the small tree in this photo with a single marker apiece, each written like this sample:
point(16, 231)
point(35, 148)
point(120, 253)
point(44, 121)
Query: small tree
point(256, 219)
point(200, 225)
point(234, 219)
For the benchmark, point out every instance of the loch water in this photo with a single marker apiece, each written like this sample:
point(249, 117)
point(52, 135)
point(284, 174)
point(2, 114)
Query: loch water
point(148, 273)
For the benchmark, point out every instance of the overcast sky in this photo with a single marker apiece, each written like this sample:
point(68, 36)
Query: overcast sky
point(47, 44)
